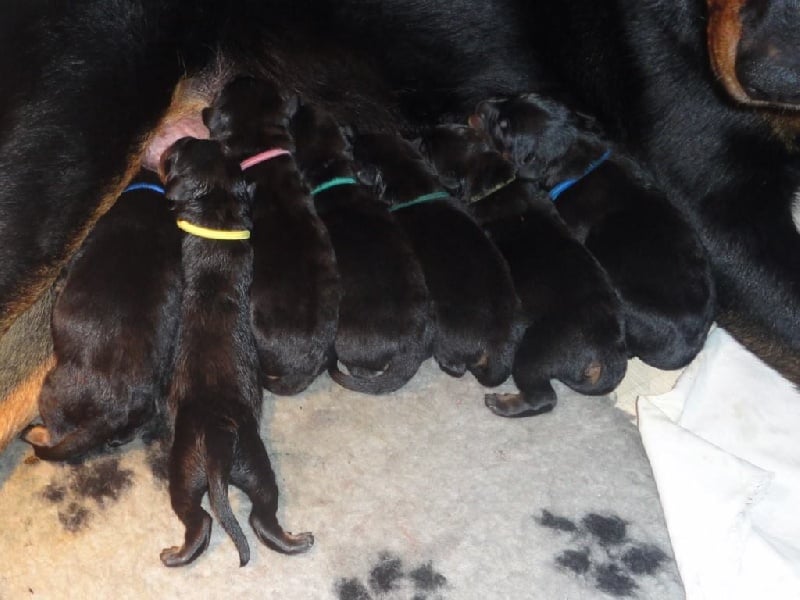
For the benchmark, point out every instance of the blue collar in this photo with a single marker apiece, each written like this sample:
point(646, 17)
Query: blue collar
point(562, 187)
point(144, 186)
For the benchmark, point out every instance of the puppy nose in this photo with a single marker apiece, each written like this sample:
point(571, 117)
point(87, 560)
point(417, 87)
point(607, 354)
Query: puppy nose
point(475, 120)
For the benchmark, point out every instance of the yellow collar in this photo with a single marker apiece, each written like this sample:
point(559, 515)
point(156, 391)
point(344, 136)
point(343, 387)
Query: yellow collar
point(213, 234)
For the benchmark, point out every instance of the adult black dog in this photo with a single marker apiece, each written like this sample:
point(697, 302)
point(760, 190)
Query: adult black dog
point(72, 137)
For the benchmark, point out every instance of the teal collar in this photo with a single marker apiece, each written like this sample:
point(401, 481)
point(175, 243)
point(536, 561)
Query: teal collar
point(335, 182)
point(420, 200)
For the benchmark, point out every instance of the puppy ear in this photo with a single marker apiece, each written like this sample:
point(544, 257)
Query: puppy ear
point(454, 185)
point(587, 122)
point(368, 175)
point(181, 190)
point(349, 133)
point(418, 144)
point(292, 104)
point(206, 114)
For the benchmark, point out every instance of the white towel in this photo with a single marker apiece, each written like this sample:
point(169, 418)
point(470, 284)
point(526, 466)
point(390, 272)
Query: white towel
point(724, 445)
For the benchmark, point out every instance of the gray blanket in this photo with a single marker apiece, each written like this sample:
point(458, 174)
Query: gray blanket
point(421, 495)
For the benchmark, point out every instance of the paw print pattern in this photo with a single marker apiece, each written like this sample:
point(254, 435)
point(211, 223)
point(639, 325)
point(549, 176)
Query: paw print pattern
point(389, 579)
point(603, 553)
point(71, 489)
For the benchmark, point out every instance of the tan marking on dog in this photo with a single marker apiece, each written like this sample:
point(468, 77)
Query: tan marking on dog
point(483, 360)
point(20, 407)
point(723, 34)
point(38, 435)
point(593, 372)
point(188, 99)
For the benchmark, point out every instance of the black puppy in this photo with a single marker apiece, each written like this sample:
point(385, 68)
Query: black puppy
point(476, 311)
point(385, 326)
point(113, 327)
point(575, 331)
point(653, 256)
point(294, 298)
point(215, 397)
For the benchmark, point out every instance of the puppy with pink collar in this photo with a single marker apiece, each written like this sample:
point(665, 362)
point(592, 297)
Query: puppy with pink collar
point(294, 298)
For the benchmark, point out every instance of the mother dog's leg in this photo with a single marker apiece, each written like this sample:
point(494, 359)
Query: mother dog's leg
point(88, 81)
point(86, 86)
point(26, 355)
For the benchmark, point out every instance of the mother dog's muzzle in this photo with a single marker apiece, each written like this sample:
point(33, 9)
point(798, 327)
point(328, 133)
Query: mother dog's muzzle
point(754, 47)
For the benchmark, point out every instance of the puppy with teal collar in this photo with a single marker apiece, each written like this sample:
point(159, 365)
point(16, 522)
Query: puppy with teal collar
point(477, 315)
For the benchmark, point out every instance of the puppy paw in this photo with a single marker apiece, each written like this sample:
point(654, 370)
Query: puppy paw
point(36, 435)
point(454, 370)
point(519, 405)
point(178, 556)
point(172, 557)
point(298, 543)
point(198, 534)
point(273, 536)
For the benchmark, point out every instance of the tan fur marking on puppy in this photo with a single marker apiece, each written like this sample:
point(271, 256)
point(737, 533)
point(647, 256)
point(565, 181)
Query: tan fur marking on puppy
point(38, 435)
point(20, 407)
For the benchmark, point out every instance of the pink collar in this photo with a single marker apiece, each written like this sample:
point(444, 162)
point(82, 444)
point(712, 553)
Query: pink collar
point(263, 156)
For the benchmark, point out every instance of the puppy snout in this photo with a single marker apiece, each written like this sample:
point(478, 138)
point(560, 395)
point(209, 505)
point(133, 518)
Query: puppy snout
point(475, 120)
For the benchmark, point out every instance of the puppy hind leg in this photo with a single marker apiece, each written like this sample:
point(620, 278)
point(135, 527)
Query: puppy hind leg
point(454, 368)
point(529, 403)
point(253, 474)
point(186, 492)
point(493, 368)
point(532, 377)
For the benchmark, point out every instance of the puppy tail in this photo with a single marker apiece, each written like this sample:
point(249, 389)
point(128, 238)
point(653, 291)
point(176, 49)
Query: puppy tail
point(219, 466)
point(400, 370)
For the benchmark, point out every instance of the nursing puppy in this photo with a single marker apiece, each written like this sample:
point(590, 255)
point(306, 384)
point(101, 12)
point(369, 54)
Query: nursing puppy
point(113, 327)
point(651, 253)
point(385, 326)
point(575, 331)
point(294, 297)
point(476, 311)
point(215, 397)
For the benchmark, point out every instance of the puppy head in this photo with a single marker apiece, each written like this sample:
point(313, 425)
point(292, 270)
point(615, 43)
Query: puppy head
point(467, 164)
point(249, 114)
point(530, 130)
point(318, 137)
point(393, 166)
point(204, 187)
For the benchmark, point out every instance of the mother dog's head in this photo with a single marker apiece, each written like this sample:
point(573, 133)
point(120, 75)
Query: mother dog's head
point(754, 46)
